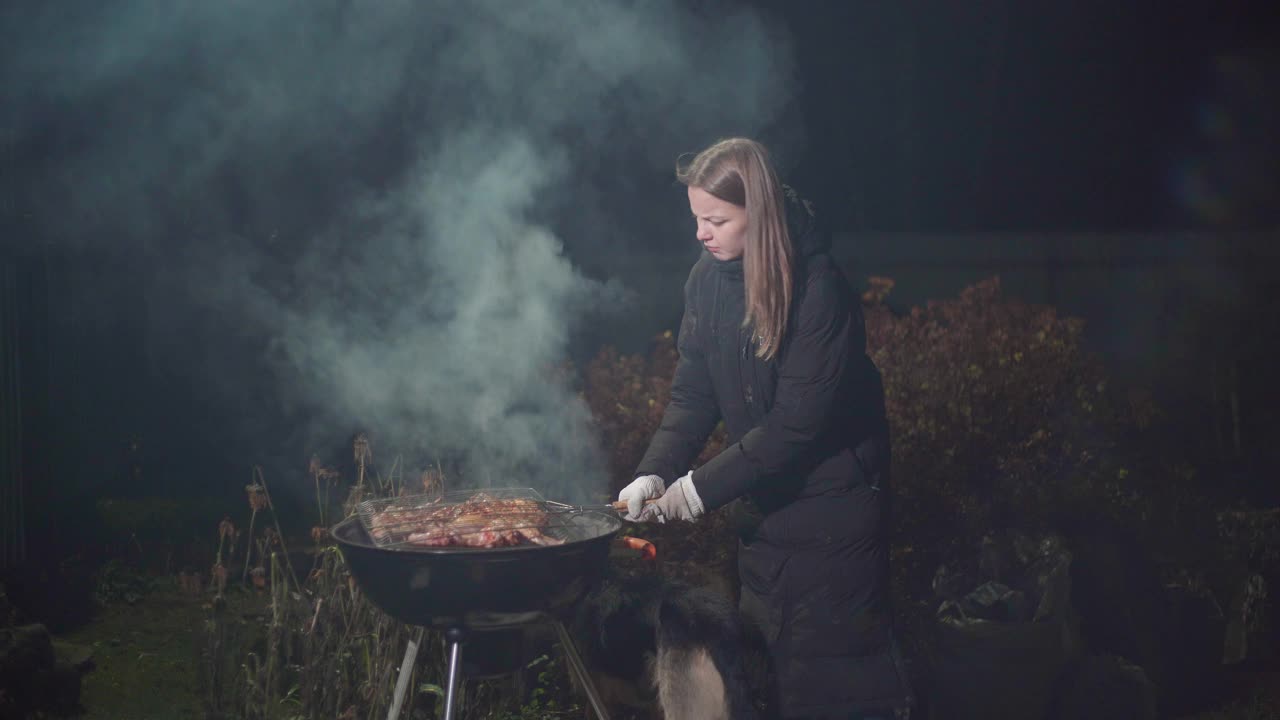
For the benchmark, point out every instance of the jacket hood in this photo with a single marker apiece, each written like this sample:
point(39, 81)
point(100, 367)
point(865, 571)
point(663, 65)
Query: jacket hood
point(808, 236)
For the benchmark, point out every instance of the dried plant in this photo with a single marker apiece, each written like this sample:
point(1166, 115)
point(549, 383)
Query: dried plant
point(321, 650)
point(432, 481)
point(324, 478)
point(257, 502)
point(362, 456)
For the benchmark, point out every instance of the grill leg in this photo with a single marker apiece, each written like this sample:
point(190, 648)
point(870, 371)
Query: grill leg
point(406, 670)
point(580, 672)
point(454, 638)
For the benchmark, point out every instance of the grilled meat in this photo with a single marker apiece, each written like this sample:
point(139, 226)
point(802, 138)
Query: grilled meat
point(481, 521)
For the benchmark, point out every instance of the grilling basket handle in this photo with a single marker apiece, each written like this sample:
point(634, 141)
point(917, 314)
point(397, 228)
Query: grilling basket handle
point(618, 506)
point(621, 505)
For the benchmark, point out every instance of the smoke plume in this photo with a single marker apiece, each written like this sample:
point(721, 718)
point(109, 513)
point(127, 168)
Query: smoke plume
point(356, 214)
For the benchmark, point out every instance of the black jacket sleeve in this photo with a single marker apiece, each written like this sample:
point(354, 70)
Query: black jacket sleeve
point(826, 336)
point(692, 412)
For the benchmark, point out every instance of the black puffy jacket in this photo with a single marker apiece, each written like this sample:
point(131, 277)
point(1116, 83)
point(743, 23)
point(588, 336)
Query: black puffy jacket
point(808, 422)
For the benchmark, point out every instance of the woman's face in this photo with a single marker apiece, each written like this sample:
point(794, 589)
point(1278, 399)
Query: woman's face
point(722, 226)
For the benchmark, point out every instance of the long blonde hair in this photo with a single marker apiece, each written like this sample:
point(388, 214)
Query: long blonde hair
point(739, 171)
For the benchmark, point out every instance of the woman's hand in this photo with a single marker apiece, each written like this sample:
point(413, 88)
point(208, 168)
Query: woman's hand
point(679, 502)
point(642, 488)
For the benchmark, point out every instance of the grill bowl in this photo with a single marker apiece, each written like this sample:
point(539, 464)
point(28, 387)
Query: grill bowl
point(478, 588)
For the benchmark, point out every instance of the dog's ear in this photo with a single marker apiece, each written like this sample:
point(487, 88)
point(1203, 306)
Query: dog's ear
point(616, 624)
point(617, 643)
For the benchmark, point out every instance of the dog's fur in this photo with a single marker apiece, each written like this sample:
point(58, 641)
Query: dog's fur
point(643, 636)
point(690, 685)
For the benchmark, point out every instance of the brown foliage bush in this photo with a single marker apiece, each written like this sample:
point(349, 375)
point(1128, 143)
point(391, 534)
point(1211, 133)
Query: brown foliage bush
point(999, 415)
point(627, 395)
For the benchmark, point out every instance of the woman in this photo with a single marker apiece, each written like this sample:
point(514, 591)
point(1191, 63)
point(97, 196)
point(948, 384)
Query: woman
point(772, 342)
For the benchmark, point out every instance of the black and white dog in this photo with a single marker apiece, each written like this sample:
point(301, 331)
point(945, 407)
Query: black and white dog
point(653, 641)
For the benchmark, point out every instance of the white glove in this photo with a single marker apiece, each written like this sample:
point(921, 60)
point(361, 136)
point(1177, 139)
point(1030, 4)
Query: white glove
point(642, 488)
point(680, 502)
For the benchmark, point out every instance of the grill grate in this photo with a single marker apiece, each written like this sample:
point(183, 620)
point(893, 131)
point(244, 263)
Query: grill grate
point(477, 520)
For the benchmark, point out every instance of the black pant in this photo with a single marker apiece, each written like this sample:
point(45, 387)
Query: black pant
point(815, 584)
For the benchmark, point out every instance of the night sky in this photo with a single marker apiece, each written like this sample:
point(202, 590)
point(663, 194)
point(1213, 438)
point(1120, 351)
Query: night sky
point(998, 115)
point(990, 115)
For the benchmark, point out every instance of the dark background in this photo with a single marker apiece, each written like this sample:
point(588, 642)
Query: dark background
point(1089, 135)
point(997, 115)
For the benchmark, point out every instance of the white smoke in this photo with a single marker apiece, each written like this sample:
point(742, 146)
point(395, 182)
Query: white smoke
point(384, 198)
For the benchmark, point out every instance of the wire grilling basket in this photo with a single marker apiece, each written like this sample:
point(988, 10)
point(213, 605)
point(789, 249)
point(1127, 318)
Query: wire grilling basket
point(478, 520)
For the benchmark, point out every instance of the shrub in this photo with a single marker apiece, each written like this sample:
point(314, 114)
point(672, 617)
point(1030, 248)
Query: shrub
point(627, 395)
point(999, 415)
